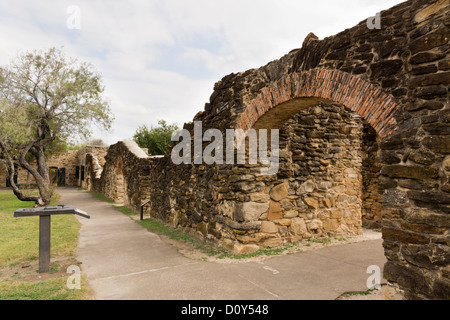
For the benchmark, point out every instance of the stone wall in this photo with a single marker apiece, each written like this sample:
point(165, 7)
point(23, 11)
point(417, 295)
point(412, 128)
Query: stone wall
point(67, 160)
point(395, 78)
point(322, 165)
point(121, 175)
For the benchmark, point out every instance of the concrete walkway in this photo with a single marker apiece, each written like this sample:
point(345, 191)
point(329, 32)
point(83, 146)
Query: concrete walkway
point(122, 260)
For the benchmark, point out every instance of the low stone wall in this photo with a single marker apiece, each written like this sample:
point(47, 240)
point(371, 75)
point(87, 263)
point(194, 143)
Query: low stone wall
point(121, 175)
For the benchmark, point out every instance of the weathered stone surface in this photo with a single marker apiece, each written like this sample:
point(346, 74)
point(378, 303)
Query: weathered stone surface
point(298, 226)
point(307, 187)
point(432, 105)
point(425, 57)
point(437, 144)
point(291, 214)
point(423, 228)
point(311, 202)
point(444, 65)
point(442, 78)
point(279, 192)
point(269, 227)
point(432, 92)
point(315, 225)
point(412, 172)
point(275, 212)
point(386, 68)
point(430, 41)
point(422, 157)
point(408, 277)
point(390, 157)
point(404, 236)
point(423, 70)
point(244, 249)
point(417, 184)
point(429, 196)
point(249, 211)
point(392, 142)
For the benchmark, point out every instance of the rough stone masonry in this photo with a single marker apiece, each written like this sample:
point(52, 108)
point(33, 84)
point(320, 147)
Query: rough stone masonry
point(365, 138)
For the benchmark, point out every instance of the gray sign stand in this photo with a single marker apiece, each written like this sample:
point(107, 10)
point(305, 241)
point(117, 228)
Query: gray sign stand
point(44, 215)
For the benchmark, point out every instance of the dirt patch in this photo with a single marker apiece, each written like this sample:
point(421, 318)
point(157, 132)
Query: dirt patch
point(29, 271)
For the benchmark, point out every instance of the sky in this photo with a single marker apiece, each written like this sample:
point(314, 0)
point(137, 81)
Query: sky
point(160, 59)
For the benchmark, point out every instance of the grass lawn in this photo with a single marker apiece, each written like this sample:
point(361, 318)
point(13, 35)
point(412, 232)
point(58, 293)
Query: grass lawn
point(19, 254)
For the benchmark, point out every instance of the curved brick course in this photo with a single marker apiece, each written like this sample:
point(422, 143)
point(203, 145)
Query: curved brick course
point(358, 95)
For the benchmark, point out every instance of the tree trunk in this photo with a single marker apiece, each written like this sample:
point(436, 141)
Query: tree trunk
point(45, 189)
point(42, 181)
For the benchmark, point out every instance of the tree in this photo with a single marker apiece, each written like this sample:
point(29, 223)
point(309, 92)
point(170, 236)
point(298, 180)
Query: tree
point(156, 139)
point(46, 99)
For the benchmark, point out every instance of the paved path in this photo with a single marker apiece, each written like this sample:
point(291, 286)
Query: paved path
point(122, 260)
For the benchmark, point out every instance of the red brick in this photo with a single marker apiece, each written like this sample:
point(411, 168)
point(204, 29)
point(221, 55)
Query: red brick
point(356, 94)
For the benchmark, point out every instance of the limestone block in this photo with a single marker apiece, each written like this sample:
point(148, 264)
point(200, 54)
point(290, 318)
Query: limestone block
point(298, 226)
point(226, 208)
point(272, 242)
point(257, 197)
point(284, 222)
point(311, 202)
point(250, 211)
point(315, 225)
point(330, 224)
point(268, 227)
point(280, 192)
point(275, 212)
point(306, 187)
point(291, 214)
point(244, 248)
point(337, 213)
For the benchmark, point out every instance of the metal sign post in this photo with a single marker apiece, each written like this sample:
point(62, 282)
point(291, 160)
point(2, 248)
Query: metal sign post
point(44, 215)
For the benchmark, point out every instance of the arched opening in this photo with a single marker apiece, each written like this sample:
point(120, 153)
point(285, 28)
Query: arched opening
point(331, 124)
point(329, 168)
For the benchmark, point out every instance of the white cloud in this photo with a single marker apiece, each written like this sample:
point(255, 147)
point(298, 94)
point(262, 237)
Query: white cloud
point(160, 59)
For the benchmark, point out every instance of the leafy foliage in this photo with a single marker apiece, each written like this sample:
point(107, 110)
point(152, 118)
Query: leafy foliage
point(46, 99)
point(156, 139)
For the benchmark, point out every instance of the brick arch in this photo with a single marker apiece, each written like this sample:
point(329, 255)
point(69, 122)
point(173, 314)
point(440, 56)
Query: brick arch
point(321, 85)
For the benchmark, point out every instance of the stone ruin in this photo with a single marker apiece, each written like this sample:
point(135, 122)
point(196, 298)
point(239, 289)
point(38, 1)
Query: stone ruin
point(364, 141)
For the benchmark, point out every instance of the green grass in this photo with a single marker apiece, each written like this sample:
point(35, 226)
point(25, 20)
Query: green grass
point(19, 245)
point(360, 293)
point(101, 197)
point(324, 240)
point(126, 211)
point(205, 247)
point(19, 237)
point(51, 289)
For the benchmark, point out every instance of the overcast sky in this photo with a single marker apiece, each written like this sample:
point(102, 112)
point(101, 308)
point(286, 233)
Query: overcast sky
point(160, 58)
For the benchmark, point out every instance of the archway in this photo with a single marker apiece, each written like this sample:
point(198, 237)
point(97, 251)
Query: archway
point(329, 163)
point(287, 98)
point(276, 103)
